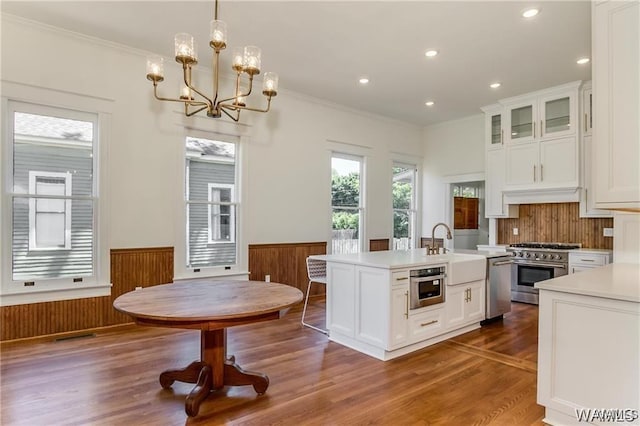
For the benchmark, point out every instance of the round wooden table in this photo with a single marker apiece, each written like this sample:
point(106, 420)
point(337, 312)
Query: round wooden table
point(209, 306)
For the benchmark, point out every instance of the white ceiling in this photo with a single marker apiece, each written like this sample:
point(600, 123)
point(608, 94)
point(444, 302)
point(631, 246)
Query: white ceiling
point(321, 48)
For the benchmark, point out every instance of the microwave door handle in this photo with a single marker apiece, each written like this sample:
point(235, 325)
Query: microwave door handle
point(430, 278)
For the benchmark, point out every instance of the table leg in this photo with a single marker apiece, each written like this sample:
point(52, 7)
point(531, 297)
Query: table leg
point(214, 371)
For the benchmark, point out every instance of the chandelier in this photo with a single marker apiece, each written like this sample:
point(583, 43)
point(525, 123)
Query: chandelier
point(245, 62)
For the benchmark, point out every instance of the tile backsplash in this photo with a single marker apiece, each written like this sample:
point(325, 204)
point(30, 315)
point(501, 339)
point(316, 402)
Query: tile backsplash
point(555, 222)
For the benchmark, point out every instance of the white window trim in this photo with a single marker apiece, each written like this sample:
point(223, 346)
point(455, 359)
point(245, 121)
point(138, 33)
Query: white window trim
point(212, 203)
point(361, 159)
point(48, 290)
point(33, 176)
point(412, 211)
point(200, 127)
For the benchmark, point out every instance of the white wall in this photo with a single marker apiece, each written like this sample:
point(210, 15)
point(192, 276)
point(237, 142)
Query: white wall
point(451, 148)
point(287, 151)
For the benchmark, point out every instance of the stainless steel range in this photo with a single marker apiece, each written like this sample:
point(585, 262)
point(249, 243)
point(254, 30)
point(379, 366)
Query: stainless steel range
point(535, 262)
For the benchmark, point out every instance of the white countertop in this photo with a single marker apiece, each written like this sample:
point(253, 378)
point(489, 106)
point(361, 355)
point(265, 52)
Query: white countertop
point(393, 259)
point(486, 253)
point(620, 281)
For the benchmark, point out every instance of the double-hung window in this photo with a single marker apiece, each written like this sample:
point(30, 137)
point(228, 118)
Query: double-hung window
point(211, 197)
point(52, 198)
point(404, 206)
point(347, 204)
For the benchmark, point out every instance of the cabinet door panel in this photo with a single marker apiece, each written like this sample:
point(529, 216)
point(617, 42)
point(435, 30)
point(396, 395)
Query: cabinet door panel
point(495, 182)
point(558, 162)
point(558, 115)
point(372, 305)
point(474, 308)
point(522, 123)
point(399, 317)
point(341, 298)
point(455, 305)
point(522, 163)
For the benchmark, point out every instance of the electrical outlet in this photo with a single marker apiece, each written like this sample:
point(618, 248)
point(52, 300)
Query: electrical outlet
point(267, 278)
point(515, 231)
point(138, 288)
point(607, 232)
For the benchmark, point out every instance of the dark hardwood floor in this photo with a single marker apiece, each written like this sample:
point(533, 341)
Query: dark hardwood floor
point(487, 376)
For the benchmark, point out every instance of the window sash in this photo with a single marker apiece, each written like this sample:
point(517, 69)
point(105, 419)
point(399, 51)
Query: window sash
point(216, 213)
point(359, 209)
point(38, 211)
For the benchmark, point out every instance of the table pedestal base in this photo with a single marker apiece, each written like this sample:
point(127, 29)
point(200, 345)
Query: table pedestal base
point(212, 373)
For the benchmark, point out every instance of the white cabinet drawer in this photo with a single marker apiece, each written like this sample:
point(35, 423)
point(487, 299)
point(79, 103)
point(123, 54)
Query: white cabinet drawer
point(594, 259)
point(399, 277)
point(426, 325)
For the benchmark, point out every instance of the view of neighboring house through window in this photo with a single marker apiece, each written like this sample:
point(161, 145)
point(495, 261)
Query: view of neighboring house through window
point(53, 223)
point(404, 206)
point(347, 209)
point(211, 202)
point(49, 218)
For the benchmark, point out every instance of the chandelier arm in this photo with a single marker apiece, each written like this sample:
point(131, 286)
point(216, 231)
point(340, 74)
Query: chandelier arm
point(184, 101)
point(187, 82)
point(189, 114)
point(239, 107)
point(216, 66)
point(236, 118)
point(233, 98)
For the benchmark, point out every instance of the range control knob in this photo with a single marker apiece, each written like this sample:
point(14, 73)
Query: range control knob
point(519, 254)
point(558, 257)
point(528, 255)
point(543, 256)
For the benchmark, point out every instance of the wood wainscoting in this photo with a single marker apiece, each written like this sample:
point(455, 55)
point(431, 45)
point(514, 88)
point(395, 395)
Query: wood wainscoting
point(129, 268)
point(286, 263)
point(555, 222)
point(379, 244)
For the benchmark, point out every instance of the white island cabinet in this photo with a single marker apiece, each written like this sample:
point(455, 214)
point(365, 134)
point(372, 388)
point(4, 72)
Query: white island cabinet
point(368, 300)
point(589, 346)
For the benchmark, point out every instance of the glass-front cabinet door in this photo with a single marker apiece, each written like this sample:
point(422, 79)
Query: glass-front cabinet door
point(496, 129)
point(522, 123)
point(557, 116)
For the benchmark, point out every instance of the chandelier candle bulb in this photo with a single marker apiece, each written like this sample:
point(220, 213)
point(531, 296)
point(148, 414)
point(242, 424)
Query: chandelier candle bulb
point(185, 48)
point(252, 60)
point(155, 68)
point(270, 84)
point(218, 34)
point(237, 59)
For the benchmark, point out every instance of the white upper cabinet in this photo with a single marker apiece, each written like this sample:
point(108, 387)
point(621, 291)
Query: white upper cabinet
point(541, 115)
point(494, 127)
point(616, 95)
point(542, 144)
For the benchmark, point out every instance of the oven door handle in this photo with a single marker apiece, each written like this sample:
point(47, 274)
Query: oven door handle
point(503, 262)
point(546, 265)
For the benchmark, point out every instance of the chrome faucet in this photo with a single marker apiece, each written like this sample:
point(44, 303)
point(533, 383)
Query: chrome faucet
point(433, 249)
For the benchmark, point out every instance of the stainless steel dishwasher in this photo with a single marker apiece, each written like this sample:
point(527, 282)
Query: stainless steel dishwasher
point(498, 286)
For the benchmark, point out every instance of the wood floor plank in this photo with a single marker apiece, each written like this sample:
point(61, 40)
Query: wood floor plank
point(485, 377)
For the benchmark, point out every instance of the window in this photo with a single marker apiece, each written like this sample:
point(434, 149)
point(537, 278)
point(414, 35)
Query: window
point(466, 204)
point(347, 209)
point(53, 197)
point(211, 202)
point(49, 218)
point(221, 219)
point(404, 206)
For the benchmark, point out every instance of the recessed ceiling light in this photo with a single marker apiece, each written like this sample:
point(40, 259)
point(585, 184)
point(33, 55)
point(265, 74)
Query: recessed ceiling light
point(495, 85)
point(363, 80)
point(430, 53)
point(429, 103)
point(582, 61)
point(530, 13)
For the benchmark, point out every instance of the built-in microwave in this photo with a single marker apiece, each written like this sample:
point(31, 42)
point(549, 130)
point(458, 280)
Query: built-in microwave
point(426, 286)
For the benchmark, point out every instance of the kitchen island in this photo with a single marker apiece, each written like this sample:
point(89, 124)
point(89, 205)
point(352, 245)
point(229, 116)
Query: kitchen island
point(370, 300)
point(589, 346)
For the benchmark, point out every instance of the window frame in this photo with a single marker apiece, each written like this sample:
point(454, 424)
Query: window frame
point(412, 211)
point(232, 213)
point(361, 208)
point(33, 176)
point(238, 270)
point(17, 97)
